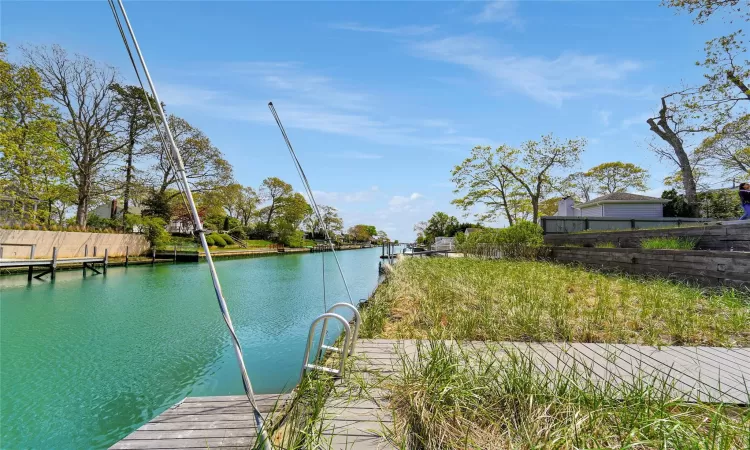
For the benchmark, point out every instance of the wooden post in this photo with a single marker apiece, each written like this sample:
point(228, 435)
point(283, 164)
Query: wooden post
point(106, 260)
point(95, 251)
point(586, 223)
point(33, 251)
point(86, 250)
point(126, 255)
point(153, 256)
point(632, 224)
point(31, 272)
point(1, 252)
point(544, 225)
point(54, 263)
point(175, 254)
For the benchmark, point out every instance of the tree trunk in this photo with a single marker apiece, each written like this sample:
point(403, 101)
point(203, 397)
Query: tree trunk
point(128, 179)
point(662, 129)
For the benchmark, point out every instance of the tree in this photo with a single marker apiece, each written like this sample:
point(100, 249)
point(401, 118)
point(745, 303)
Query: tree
point(205, 166)
point(579, 184)
point(136, 122)
point(669, 126)
point(331, 219)
point(485, 182)
point(33, 165)
point(548, 206)
point(678, 205)
point(440, 224)
point(532, 165)
point(159, 204)
point(618, 176)
point(245, 205)
point(82, 88)
point(729, 149)
point(273, 190)
point(362, 233)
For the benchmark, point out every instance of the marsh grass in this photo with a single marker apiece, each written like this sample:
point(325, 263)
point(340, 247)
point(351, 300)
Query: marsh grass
point(605, 245)
point(670, 243)
point(473, 299)
point(447, 397)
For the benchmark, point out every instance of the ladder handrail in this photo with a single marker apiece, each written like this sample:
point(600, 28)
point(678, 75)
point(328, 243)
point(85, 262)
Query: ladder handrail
point(311, 335)
point(357, 322)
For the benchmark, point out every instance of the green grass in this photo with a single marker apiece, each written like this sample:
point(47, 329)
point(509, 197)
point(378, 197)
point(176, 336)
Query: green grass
point(467, 298)
point(446, 397)
point(605, 245)
point(670, 243)
point(257, 243)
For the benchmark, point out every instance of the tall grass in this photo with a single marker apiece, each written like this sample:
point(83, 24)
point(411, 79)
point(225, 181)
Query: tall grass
point(466, 298)
point(670, 243)
point(449, 398)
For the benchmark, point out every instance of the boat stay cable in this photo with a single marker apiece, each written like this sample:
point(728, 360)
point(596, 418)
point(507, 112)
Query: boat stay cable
point(316, 209)
point(179, 167)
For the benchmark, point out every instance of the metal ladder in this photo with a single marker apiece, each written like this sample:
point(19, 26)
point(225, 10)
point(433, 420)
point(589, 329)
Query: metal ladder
point(350, 340)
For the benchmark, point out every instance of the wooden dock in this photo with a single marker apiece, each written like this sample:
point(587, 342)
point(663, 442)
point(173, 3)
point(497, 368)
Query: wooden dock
point(50, 265)
point(224, 422)
point(357, 415)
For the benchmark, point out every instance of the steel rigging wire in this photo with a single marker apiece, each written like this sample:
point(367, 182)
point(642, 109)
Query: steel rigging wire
point(176, 160)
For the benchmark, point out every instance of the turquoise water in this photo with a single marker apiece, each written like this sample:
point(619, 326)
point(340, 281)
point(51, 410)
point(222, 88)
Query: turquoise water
point(84, 361)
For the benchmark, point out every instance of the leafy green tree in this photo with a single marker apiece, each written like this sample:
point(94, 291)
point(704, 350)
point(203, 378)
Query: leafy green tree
point(720, 204)
point(678, 205)
point(82, 89)
point(440, 224)
point(159, 204)
point(729, 149)
point(578, 184)
point(331, 219)
point(33, 165)
point(484, 181)
point(273, 191)
point(362, 233)
point(618, 176)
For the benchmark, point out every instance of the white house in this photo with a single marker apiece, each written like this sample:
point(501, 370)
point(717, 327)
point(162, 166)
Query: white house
point(111, 210)
point(618, 204)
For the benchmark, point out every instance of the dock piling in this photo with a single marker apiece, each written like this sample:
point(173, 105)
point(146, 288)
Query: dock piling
point(95, 250)
point(33, 251)
point(175, 254)
point(126, 255)
point(153, 256)
point(86, 250)
point(106, 260)
point(53, 267)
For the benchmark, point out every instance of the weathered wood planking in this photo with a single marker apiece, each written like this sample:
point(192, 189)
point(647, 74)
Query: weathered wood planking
point(224, 422)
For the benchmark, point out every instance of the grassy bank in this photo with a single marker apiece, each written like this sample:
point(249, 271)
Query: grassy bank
point(463, 298)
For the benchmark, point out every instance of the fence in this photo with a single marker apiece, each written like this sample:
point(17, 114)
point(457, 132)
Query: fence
point(556, 224)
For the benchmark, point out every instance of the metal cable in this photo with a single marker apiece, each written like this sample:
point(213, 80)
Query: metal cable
point(179, 167)
point(163, 140)
point(306, 184)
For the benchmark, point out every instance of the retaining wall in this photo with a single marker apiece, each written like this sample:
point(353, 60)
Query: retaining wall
point(70, 244)
point(706, 267)
point(714, 237)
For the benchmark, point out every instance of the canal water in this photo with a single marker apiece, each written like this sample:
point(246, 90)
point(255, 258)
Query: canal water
point(84, 361)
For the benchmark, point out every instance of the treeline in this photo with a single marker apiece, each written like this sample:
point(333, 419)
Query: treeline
point(74, 136)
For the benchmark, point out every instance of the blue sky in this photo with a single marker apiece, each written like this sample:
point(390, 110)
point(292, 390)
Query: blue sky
point(382, 99)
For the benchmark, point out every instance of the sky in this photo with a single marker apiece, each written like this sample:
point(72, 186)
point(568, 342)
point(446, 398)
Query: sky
point(382, 99)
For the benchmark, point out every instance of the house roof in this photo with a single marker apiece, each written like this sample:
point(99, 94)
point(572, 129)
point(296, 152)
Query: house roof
point(622, 197)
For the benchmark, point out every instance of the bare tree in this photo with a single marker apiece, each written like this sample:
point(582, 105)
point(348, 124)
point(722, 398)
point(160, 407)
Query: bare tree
point(669, 126)
point(82, 89)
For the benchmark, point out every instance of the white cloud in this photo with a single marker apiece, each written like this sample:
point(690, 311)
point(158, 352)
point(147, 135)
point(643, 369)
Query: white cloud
point(400, 203)
point(333, 198)
point(185, 95)
point(500, 11)
point(545, 80)
point(407, 30)
point(635, 120)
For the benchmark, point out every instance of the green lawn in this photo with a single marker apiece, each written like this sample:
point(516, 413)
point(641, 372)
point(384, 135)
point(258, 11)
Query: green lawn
point(467, 298)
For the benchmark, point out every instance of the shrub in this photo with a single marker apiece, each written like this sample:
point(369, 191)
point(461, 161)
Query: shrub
point(210, 240)
point(152, 227)
point(670, 243)
point(239, 232)
point(521, 240)
point(219, 240)
point(228, 239)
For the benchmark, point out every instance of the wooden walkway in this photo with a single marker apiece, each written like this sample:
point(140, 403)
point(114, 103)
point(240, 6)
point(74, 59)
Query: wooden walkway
point(357, 416)
point(224, 422)
point(708, 374)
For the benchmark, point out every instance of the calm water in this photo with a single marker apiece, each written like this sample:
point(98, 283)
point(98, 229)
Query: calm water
point(85, 361)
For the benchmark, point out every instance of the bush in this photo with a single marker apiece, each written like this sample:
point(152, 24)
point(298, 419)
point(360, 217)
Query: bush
point(294, 239)
point(239, 232)
point(521, 240)
point(219, 240)
point(210, 240)
point(152, 227)
point(228, 239)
